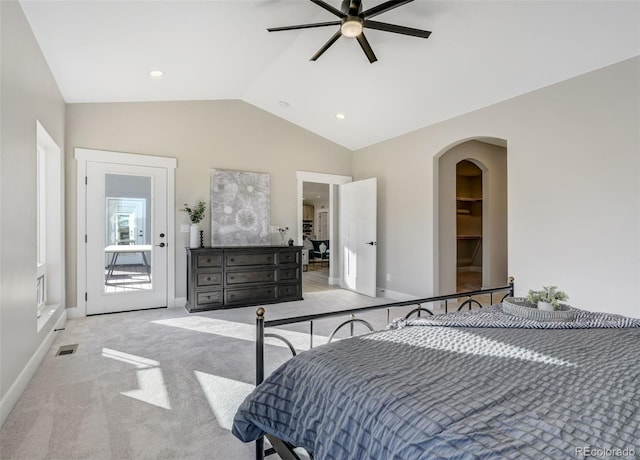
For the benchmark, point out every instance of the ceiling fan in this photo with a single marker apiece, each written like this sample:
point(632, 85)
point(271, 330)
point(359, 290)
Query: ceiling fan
point(352, 22)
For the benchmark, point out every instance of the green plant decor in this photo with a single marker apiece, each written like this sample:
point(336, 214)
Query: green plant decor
point(549, 294)
point(196, 213)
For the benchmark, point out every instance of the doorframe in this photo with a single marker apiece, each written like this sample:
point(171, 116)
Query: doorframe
point(335, 274)
point(83, 156)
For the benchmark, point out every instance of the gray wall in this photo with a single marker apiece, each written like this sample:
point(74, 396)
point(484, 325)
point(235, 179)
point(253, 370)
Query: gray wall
point(28, 93)
point(573, 190)
point(201, 135)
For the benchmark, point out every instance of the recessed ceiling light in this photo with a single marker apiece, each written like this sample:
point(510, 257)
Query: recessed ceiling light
point(156, 73)
point(340, 116)
point(283, 104)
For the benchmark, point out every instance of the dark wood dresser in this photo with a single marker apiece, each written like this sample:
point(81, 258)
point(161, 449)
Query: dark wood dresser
point(226, 277)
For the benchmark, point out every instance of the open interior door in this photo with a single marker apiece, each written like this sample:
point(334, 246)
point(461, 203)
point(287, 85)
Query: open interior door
point(358, 235)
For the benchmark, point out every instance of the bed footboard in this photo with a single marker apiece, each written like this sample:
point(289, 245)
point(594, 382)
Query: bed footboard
point(284, 449)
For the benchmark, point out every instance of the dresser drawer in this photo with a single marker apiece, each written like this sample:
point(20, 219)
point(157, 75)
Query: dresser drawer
point(256, 276)
point(289, 257)
point(209, 298)
point(209, 260)
point(208, 279)
point(289, 291)
point(288, 274)
point(241, 260)
point(250, 295)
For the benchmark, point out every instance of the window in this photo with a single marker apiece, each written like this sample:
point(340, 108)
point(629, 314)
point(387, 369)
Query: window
point(41, 229)
point(49, 234)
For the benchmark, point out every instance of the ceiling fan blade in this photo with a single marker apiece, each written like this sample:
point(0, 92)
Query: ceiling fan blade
point(330, 8)
point(305, 26)
point(326, 46)
point(396, 29)
point(383, 7)
point(364, 44)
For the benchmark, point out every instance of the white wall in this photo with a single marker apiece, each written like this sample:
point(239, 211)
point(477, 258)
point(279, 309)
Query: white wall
point(573, 190)
point(28, 94)
point(201, 135)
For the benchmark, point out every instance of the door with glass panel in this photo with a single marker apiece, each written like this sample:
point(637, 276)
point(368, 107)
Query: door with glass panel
point(126, 237)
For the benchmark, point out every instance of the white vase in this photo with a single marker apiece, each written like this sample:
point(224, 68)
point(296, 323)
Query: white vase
point(545, 306)
point(194, 236)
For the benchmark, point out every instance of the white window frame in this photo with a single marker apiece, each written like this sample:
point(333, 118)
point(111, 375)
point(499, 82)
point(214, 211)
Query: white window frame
point(41, 229)
point(49, 280)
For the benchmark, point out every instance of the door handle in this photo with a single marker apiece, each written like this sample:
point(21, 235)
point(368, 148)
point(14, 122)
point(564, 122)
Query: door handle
point(162, 245)
point(372, 243)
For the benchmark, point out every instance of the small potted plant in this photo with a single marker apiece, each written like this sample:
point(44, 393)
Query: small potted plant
point(196, 214)
point(548, 298)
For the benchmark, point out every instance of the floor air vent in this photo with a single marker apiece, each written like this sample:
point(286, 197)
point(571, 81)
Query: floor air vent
point(67, 349)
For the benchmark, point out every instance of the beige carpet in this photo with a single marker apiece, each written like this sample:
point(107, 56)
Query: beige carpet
point(154, 384)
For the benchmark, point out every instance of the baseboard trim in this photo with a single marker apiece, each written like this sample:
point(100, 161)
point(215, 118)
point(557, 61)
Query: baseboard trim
point(178, 302)
point(394, 295)
point(20, 384)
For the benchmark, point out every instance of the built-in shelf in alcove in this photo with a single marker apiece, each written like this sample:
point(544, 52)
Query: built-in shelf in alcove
point(468, 216)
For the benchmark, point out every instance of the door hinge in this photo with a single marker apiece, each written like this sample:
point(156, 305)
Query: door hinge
point(85, 296)
point(85, 180)
point(85, 238)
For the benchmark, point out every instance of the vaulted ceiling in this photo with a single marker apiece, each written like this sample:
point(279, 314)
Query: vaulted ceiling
point(480, 53)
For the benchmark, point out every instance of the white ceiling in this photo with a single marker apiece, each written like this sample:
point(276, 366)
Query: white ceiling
point(480, 52)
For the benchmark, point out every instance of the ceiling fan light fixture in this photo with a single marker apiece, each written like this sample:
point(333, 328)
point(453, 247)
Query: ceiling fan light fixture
point(351, 28)
point(156, 74)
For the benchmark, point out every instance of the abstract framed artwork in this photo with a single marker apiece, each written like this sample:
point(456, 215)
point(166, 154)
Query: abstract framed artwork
point(240, 208)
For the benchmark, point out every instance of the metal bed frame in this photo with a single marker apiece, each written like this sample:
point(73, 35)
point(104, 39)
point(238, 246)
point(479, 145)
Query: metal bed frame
point(284, 449)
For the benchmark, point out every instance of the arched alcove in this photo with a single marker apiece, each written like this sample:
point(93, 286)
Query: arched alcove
point(490, 156)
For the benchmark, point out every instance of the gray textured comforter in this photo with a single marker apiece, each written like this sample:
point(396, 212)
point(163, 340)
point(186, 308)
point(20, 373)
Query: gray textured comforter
point(429, 391)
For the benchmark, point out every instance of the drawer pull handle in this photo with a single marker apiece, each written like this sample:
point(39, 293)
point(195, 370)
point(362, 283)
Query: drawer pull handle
point(232, 260)
point(208, 279)
point(208, 261)
point(231, 277)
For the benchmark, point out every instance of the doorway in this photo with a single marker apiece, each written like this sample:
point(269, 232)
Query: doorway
point(348, 238)
point(481, 244)
point(332, 183)
point(316, 238)
point(127, 225)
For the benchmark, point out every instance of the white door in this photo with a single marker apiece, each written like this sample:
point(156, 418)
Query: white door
point(126, 237)
point(358, 235)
